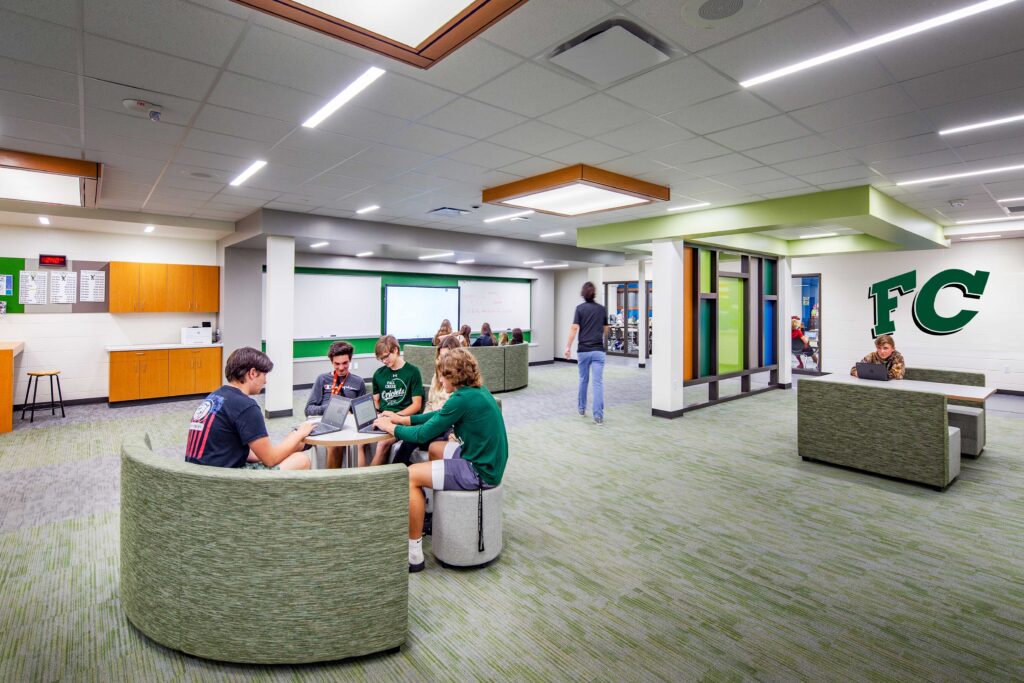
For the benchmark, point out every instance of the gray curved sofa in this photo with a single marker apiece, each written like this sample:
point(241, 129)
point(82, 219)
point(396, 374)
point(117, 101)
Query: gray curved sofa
point(264, 567)
point(503, 368)
point(967, 416)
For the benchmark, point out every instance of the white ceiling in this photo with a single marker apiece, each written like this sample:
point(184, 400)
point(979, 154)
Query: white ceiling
point(235, 85)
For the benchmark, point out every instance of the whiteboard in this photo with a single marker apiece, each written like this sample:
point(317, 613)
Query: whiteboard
point(416, 312)
point(333, 306)
point(502, 304)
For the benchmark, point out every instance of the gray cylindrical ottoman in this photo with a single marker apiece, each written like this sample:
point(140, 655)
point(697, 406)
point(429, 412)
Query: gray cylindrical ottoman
point(455, 537)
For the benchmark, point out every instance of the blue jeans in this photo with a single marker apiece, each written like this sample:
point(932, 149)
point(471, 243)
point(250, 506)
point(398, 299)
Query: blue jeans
point(591, 362)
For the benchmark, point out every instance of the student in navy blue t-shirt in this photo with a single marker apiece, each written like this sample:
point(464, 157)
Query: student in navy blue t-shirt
point(589, 323)
point(228, 430)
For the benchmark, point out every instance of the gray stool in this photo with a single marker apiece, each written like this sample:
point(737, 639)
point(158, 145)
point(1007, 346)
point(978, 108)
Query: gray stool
point(954, 453)
point(971, 423)
point(455, 538)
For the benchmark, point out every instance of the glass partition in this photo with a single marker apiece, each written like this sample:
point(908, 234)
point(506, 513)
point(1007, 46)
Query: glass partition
point(805, 322)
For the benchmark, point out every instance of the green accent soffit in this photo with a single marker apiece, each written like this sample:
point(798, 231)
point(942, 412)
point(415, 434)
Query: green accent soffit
point(888, 224)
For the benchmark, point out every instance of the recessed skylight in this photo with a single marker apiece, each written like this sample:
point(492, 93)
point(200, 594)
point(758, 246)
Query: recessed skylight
point(441, 255)
point(987, 171)
point(941, 20)
point(364, 254)
point(576, 199)
point(509, 216)
point(466, 261)
point(983, 124)
point(367, 209)
point(356, 87)
point(44, 220)
point(981, 237)
point(553, 265)
point(684, 207)
point(317, 245)
point(553, 234)
point(530, 263)
point(990, 220)
point(248, 173)
point(823, 234)
point(35, 186)
point(409, 22)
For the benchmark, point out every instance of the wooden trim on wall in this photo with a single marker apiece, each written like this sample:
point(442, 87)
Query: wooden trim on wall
point(478, 16)
point(47, 164)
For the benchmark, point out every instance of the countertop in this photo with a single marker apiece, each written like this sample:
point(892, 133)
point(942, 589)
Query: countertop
point(15, 346)
point(154, 347)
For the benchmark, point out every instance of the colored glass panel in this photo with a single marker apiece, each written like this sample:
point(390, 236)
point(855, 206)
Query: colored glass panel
point(730, 324)
point(768, 274)
point(769, 333)
point(689, 311)
point(705, 271)
point(704, 337)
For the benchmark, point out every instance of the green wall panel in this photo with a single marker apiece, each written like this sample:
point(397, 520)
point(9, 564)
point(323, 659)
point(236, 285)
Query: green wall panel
point(706, 306)
point(731, 328)
point(769, 276)
point(12, 266)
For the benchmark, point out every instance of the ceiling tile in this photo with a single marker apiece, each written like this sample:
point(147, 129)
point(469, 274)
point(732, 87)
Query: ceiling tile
point(450, 169)
point(539, 26)
point(38, 42)
point(865, 106)
point(29, 79)
point(791, 149)
point(760, 133)
point(749, 176)
point(586, 152)
point(774, 187)
point(39, 109)
point(364, 124)
point(721, 113)
point(986, 77)
point(320, 142)
point(403, 97)
point(897, 148)
point(535, 137)
point(226, 144)
point(647, 134)
point(120, 63)
point(851, 175)
point(40, 132)
point(595, 115)
point(530, 90)
point(469, 117)
point(832, 81)
point(242, 124)
point(723, 164)
point(421, 181)
point(882, 130)
point(488, 155)
point(122, 145)
point(109, 97)
point(170, 26)
point(673, 86)
point(365, 168)
point(824, 162)
point(635, 165)
point(433, 141)
point(532, 166)
point(126, 125)
point(472, 65)
point(399, 159)
point(687, 152)
point(984, 108)
point(916, 162)
point(261, 98)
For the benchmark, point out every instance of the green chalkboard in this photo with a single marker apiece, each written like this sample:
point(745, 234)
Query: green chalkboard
point(12, 267)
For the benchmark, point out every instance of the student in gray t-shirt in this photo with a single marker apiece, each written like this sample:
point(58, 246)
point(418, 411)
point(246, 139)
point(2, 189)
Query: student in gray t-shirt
point(339, 382)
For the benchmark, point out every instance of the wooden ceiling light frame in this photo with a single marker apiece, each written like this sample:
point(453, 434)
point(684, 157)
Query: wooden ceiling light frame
point(90, 173)
point(578, 174)
point(472, 20)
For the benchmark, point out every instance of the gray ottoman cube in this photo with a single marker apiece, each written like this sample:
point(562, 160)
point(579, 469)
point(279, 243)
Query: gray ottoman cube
point(971, 423)
point(454, 539)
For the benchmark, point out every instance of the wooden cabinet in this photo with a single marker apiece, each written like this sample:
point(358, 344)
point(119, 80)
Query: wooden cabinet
point(163, 288)
point(193, 371)
point(138, 374)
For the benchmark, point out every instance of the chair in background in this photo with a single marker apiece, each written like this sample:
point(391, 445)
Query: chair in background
point(34, 406)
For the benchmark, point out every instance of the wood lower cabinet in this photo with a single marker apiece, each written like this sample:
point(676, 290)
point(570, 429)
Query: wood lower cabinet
point(138, 375)
point(163, 288)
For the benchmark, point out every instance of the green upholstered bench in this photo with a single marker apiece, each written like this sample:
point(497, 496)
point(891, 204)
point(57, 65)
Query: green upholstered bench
point(264, 567)
point(967, 416)
point(893, 432)
point(503, 368)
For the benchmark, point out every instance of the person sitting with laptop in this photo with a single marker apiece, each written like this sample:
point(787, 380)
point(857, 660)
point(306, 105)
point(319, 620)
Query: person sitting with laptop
point(397, 387)
point(339, 382)
point(479, 463)
point(885, 353)
point(228, 429)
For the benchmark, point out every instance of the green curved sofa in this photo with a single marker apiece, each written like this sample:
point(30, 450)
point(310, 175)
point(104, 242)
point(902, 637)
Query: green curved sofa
point(503, 368)
point(264, 567)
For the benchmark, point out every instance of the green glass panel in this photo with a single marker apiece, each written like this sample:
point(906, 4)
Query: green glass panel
point(730, 324)
point(730, 263)
point(704, 330)
point(769, 276)
point(705, 271)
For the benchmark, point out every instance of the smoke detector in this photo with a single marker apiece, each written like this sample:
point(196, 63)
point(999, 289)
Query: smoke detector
point(714, 13)
point(958, 203)
point(610, 52)
point(153, 111)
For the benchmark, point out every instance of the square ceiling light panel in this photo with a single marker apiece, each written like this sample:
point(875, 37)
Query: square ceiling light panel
point(575, 191)
point(611, 55)
point(417, 32)
point(49, 180)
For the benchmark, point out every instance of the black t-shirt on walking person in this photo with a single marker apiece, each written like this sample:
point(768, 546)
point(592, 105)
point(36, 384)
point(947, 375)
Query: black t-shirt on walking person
point(222, 428)
point(590, 317)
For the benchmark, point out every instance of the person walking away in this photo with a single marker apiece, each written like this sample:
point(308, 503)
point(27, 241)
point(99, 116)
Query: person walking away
point(589, 324)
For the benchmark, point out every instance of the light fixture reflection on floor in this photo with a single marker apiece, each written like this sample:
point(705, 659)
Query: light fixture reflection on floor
point(575, 191)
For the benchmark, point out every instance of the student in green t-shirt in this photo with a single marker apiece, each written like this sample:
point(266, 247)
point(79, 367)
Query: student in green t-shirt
point(397, 388)
point(478, 464)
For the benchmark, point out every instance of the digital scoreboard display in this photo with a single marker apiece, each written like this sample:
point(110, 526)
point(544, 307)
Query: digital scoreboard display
point(53, 261)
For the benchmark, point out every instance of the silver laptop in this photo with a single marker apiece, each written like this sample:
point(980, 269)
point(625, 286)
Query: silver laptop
point(365, 413)
point(876, 371)
point(334, 416)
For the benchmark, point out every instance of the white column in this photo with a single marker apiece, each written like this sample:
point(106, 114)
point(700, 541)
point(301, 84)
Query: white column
point(280, 306)
point(641, 276)
point(667, 361)
point(782, 343)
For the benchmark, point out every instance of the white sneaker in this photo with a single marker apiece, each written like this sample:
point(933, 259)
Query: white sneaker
point(416, 561)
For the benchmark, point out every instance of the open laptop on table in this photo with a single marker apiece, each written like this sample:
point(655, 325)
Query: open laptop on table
point(876, 371)
point(334, 416)
point(365, 413)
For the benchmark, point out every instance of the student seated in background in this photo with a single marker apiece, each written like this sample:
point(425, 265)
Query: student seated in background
point(801, 342)
point(885, 353)
point(478, 463)
point(503, 339)
point(443, 331)
point(339, 382)
point(517, 335)
point(485, 338)
point(228, 430)
point(397, 388)
point(465, 334)
point(436, 399)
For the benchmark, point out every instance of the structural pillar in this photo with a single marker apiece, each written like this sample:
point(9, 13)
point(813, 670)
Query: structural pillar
point(642, 304)
point(280, 314)
point(784, 270)
point(667, 359)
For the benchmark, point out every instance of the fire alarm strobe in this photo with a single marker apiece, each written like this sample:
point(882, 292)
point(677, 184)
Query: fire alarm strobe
point(153, 111)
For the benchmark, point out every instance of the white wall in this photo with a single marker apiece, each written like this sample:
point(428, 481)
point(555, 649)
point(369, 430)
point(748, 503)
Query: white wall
point(990, 343)
point(74, 343)
point(567, 297)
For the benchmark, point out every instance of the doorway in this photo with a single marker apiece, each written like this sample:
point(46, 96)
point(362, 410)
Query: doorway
point(805, 321)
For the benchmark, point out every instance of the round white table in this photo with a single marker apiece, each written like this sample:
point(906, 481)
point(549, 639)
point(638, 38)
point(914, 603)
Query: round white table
point(348, 436)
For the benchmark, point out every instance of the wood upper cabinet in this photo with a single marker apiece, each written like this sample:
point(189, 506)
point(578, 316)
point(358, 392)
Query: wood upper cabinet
point(138, 374)
point(162, 288)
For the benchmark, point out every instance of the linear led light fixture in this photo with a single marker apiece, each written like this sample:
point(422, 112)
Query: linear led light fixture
point(509, 216)
point(987, 171)
point(367, 209)
point(576, 190)
point(149, 228)
point(990, 220)
point(684, 207)
point(889, 37)
point(317, 245)
point(553, 265)
point(465, 261)
point(531, 263)
point(248, 173)
point(981, 237)
point(31, 177)
point(355, 87)
point(441, 255)
point(44, 220)
point(364, 254)
point(983, 124)
point(824, 234)
point(553, 234)
point(1010, 199)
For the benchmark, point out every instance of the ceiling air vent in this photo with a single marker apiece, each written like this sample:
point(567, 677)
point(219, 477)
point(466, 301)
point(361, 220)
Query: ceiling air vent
point(711, 13)
point(448, 211)
point(1014, 209)
point(611, 52)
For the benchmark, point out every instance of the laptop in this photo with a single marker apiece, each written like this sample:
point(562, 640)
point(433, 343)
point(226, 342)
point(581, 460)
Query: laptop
point(334, 416)
point(365, 413)
point(876, 371)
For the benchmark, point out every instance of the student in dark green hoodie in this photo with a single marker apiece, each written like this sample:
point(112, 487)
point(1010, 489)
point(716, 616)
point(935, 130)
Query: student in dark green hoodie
point(476, 418)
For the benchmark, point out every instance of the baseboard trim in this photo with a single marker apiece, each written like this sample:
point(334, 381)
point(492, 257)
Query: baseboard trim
point(296, 387)
point(70, 402)
point(668, 414)
point(287, 412)
point(787, 385)
point(673, 414)
point(154, 401)
point(543, 362)
point(642, 365)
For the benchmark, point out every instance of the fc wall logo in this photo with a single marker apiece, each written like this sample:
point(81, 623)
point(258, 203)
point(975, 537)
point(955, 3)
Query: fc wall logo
point(927, 319)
